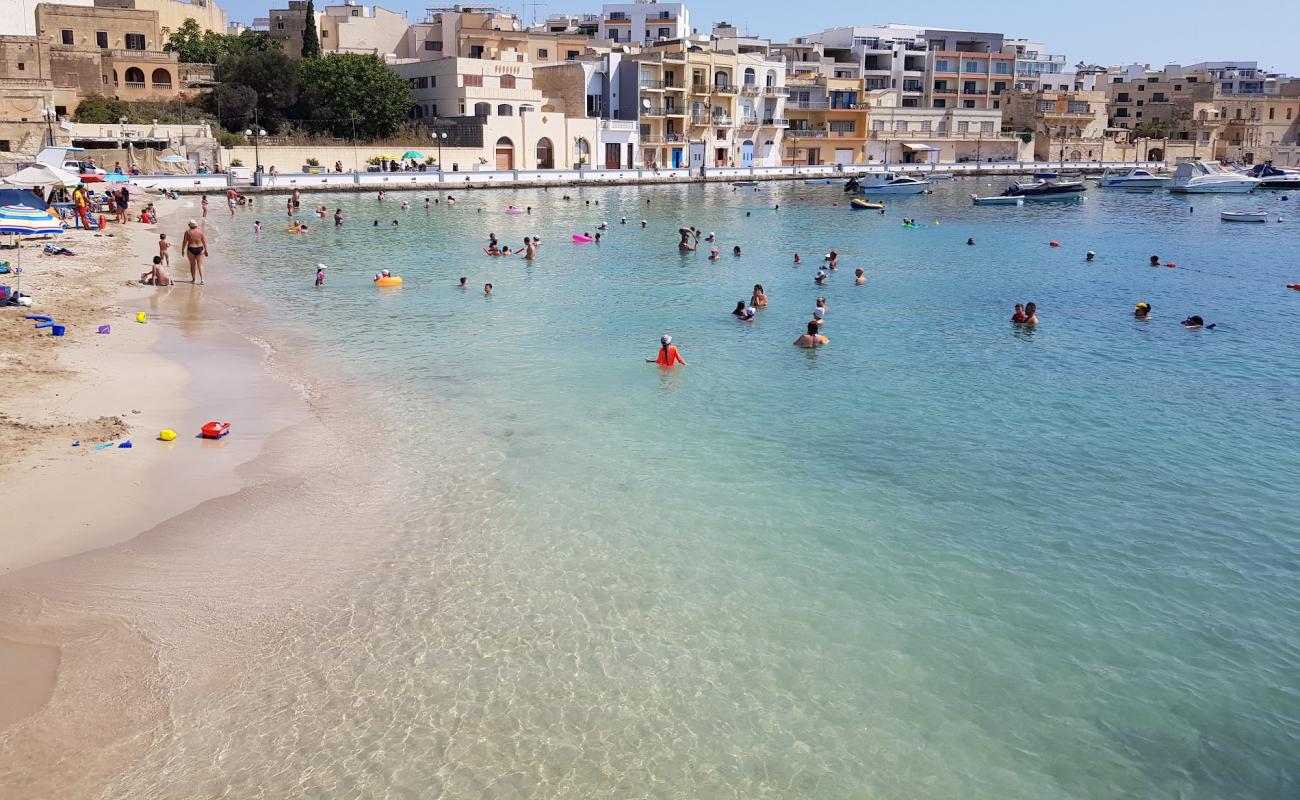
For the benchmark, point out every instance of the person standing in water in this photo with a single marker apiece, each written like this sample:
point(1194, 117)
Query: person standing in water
point(811, 338)
point(196, 249)
point(668, 354)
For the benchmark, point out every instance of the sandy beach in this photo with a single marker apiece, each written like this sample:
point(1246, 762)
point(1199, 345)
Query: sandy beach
point(81, 675)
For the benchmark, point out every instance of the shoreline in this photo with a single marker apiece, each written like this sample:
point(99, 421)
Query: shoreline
point(180, 368)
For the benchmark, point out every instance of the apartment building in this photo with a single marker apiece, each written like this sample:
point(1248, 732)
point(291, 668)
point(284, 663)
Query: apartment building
point(501, 119)
point(827, 120)
point(604, 88)
point(1167, 101)
point(1064, 124)
point(1035, 67)
point(967, 69)
point(111, 48)
point(906, 134)
point(644, 22)
point(889, 57)
point(488, 33)
point(1254, 128)
point(356, 28)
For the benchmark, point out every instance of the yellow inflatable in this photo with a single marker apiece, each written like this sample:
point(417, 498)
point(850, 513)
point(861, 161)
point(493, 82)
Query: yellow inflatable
point(860, 203)
point(391, 280)
point(167, 435)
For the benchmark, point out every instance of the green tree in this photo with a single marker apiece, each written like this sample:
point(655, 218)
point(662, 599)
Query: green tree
point(310, 41)
point(269, 73)
point(193, 45)
point(342, 89)
point(233, 104)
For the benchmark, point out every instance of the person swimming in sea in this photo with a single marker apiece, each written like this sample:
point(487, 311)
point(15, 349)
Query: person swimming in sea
point(748, 316)
point(970, 242)
point(1155, 261)
point(758, 299)
point(715, 254)
point(669, 355)
point(859, 277)
point(1090, 256)
point(797, 262)
point(1195, 321)
point(464, 282)
point(1142, 310)
point(487, 288)
point(735, 251)
point(1018, 317)
point(811, 338)
point(832, 259)
point(739, 310)
point(820, 280)
point(1031, 314)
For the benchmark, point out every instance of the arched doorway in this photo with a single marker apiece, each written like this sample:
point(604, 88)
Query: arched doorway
point(747, 153)
point(1075, 155)
point(581, 151)
point(134, 78)
point(545, 154)
point(1155, 154)
point(162, 79)
point(505, 153)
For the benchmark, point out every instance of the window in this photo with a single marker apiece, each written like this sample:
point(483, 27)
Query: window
point(973, 66)
point(507, 81)
point(940, 103)
point(1077, 107)
point(968, 104)
point(1002, 68)
point(1270, 113)
point(1288, 113)
point(963, 127)
point(476, 51)
point(900, 126)
point(1046, 105)
point(356, 12)
point(941, 65)
point(505, 110)
point(986, 127)
point(135, 41)
point(1123, 97)
point(422, 82)
point(571, 55)
point(435, 46)
point(665, 32)
point(999, 86)
point(1178, 87)
point(4, 146)
point(543, 54)
point(22, 67)
point(842, 126)
point(66, 35)
point(1139, 115)
point(324, 34)
point(1139, 104)
point(925, 126)
point(1121, 112)
point(279, 25)
point(101, 40)
point(473, 80)
point(1141, 88)
point(968, 87)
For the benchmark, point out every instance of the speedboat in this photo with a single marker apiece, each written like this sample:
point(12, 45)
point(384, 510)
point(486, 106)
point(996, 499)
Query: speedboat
point(1201, 177)
point(1136, 178)
point(1046, 190)
point(744, 183)
point(997, 200)
point(1271, 177)
point(886, 183)
point(1243, 216)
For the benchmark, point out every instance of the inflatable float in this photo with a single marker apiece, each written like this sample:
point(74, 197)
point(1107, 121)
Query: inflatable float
point(390, 280)
point(859, 203)
point(580, 239)
point(514, 210)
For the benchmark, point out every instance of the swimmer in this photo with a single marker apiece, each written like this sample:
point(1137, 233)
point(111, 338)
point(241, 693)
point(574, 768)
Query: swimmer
point(394, 223)
point(493, 250)
point(257, 226)
point(597, 237)
point(1155, 261)
point(747, 213)
point(528, 210)
point(833, 258)
point(748, 315)
point(622, 221)
point(819, 316)
point(451, 201)
point(859, 277)
point(1031, 314)
point(1195, 321)
point(970, 242)
point(1142, 310)
point(464, 282)
point(811, 338)
point(530, 248)
point(714, 254)
point(604, 226)
point(820, 280)
point(1018, 316)
point(797, 262)
point(380, 196)
point(320, 274)
point(1090, 256)
point(668, 353)
point(406, 206)
point(487, 288)
point(643, 222)
point(492, 239)
point(821, 303)
point(758, 299)
point(710, 237)
point(739, 310)
point(735, 251)
point(376, 224)
point(426, 202)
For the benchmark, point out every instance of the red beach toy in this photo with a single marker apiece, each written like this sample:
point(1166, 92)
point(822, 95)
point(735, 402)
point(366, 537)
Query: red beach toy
point(215, 430)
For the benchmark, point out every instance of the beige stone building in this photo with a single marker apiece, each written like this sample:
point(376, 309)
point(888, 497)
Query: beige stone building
point(1258, 128)
point(111, 48)
point(173, 13)
point(356, 28)
point(828, 120)
point(1065, 125)
point(464, 32)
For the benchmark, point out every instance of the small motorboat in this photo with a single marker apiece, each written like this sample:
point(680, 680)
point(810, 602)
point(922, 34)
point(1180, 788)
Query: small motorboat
point(1046, 176)
point(1136, 178)
point(859, 204)
point(1047, 190)
point(999, 200)
point(940, 176)
point(1243, 216)
point(886, 183)
point(744, 183)
point(823, 181)
point(1201, 177)
point(1271, 177)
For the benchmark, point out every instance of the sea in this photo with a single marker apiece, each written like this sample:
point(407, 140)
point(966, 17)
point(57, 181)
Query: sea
point(941, 557)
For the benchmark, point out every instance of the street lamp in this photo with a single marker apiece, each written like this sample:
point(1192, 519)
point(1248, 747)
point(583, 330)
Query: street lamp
point(439, 138)
point(49, 114)
point(256, 133)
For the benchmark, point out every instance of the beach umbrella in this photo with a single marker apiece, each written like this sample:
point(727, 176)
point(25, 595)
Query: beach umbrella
point(409, 154)
point(25, 220)
point(42, 175)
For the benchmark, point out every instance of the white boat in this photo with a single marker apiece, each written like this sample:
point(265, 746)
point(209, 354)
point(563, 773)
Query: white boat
point(1271, 177)
point(997, 200)
point(1047, 190)
point(939, 176)
point(1203, 177)
point(1243, 216)
point(875, 183)
point(1136, 178)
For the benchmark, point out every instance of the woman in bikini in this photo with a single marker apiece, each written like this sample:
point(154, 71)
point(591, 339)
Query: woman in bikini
point(196, 249)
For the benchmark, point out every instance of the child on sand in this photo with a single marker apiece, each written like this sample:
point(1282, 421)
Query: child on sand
point(163, 247)
point(204, 203)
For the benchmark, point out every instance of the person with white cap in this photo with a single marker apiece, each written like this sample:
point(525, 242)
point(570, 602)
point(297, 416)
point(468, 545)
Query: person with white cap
point(1091, 255)
point(196, 249)
point(819, 316)
point(748, 316)
point(821, 277)
point(668, 354)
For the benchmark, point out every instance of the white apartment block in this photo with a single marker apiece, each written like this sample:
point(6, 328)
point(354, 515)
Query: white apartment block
point(644, 22)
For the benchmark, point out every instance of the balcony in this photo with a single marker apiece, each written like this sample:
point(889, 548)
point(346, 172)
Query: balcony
point(775, 91)
point(618, 125)
point(807, 133)
point(699, 87)
point(750, 89)
point(653, 111)
point(747, 122)
point(724, 88)
point(808, 104)
point(716, 122)
point(667, 138)
point(651, 84)
point(776, 122)
point(674, 111)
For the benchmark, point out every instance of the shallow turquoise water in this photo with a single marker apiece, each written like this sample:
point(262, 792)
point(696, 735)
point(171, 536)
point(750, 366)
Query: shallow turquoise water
point(941, 557)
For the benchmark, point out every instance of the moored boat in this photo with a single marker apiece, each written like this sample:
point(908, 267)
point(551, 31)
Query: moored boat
point(744, 183)
point(1046, 190)
point(859, 204)
point(886, 183)
point(1243, 216)
point(997, 200)
point(1203, 177)
point(1136, 178)
point(1271, 177)
point(822, 181)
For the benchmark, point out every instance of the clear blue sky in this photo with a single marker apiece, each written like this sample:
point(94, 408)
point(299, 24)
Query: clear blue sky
point(1155, 33)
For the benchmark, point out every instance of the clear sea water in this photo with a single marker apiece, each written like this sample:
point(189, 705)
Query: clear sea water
point(941, 557)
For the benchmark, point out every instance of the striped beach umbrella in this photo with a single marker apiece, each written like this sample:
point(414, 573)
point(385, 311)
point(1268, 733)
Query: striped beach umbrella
point(27, 221)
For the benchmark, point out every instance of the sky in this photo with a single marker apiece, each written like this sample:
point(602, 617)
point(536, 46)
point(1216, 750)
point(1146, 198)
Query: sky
point(1155, 33)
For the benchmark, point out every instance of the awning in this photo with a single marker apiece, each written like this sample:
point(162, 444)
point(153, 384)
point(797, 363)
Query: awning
point(920, 148)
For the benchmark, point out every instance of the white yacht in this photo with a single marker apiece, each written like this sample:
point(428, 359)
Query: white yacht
point(1198, 177)
point(1136, 178)
point(1271, 177)
point(875, 183)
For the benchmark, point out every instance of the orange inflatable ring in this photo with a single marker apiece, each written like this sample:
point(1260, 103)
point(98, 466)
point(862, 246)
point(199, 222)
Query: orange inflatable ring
point(391, 280)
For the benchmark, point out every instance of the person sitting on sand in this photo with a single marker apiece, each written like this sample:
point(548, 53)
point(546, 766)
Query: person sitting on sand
point(668, 353)
point(811, 338)
point(1018, 317)
point(859, 277)
point(1142, 310)
point(758, 299)
point(157, 274)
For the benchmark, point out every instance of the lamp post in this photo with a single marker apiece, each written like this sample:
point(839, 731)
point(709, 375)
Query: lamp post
point(49, 115)
point(439, 138)
point(256, 133)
